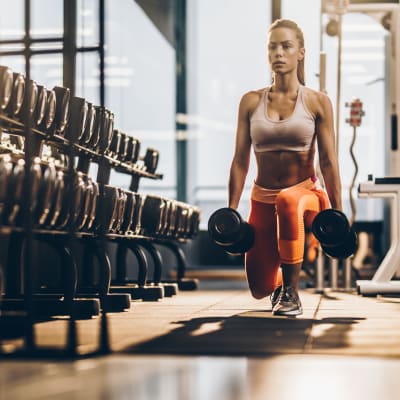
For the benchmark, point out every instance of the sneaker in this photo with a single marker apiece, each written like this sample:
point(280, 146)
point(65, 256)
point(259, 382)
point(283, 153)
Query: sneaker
point(275, 295)
point(288, 303)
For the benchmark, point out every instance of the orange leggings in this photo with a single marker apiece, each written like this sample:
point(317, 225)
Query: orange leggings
point(278, 218)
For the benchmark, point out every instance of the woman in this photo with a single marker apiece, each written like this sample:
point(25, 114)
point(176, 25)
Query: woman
point(283, 122)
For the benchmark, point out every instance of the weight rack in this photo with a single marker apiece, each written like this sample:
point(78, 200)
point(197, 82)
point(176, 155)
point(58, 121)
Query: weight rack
point(48, 142)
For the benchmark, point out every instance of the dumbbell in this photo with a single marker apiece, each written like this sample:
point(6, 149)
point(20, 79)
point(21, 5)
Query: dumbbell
point(152, 215)
point(30, 100)
point(41, 104)
point(62, 109)
point(150, 160)
point(78, 109)
point(50, 111)
point(228, 230)
point(332, 229)
point(86, 135)
point(6, 86)
point(14, 106)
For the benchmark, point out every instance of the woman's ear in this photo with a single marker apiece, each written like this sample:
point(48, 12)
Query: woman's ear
point(302, 53)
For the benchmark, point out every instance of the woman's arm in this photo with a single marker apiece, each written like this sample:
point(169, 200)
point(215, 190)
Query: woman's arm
point(241, 157)
point(328, 160)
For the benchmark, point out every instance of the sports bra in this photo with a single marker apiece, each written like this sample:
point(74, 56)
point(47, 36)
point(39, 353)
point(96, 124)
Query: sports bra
point(295, 133)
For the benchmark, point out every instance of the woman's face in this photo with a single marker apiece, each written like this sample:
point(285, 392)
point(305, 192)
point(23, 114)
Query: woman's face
point(284, 51)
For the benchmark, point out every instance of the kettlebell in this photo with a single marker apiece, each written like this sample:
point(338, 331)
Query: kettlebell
point(332, 229)
point(228, 230)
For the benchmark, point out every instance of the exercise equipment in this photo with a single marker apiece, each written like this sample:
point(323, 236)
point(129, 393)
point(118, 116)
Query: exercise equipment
point(150, 160)
point(6, 84)
point(332, 229)
point(228, 230)
point(50, 111)
point(381, 282)
point(77, 122)
point(86, 135)
point(30, 100)
point(17, 96)
point(62, 109)
point(41, 105)
point(48, 196)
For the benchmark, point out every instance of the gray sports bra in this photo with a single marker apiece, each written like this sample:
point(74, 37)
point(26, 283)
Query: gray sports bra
point(295, 133)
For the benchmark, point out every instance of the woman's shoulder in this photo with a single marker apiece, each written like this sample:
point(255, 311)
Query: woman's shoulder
point(251, 98)
point(316, 101)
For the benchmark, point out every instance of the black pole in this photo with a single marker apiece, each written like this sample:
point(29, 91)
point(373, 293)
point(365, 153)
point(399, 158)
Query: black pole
point(180, 102)
point(69, 48)
point(101, 50)
point(28, 267)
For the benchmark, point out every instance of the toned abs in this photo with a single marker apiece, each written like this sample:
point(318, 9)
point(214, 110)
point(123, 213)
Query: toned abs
point(279, 169)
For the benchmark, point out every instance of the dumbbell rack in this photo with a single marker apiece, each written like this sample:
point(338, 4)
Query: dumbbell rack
point(19, 298)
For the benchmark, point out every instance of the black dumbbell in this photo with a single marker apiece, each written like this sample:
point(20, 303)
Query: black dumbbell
point(228, 230)
point(332, 229)
point(62, 109)
point(41, 104)
point(151, 160)
point(30, 100)
point(50, 111)
point(86, 135)
point(6, 86)
point(78, 110)
point(14, 106)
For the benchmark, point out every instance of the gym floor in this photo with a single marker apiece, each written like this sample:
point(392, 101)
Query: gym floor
point(219, 343)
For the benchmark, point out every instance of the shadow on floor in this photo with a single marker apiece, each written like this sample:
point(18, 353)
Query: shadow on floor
point(248, 333)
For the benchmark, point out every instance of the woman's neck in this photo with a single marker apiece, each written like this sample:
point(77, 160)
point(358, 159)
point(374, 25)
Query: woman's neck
point(285, 84)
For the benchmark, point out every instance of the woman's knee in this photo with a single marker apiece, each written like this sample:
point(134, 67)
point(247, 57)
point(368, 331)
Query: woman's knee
point(260, 293)
point(287, 202)
point(261, 279)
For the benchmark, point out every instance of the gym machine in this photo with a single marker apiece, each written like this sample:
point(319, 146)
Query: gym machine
point(381, 282)
point(388, 15)
point(388, 187)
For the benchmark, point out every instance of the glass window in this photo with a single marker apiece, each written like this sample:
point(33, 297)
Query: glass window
point(47, 69)
point(226, 53)
point(140, 87)
point(87, 23)
point(16, 63)
point(12, 24)
point(87, 76)
point(47, 18)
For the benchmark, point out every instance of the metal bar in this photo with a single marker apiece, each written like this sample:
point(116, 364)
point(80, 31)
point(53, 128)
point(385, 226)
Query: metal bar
point(181, 98)
point(30, 52)
point(276, 9)
point(102, 51)
point(339, 80)
point(30, 342)
point(347, 274)
point(47, 51)
point(320, 271)
point(87, 49)
point(334, 273)
point(33, 40)
point(69, 39)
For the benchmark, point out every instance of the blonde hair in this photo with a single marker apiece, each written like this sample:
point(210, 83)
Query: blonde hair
point(287, 23)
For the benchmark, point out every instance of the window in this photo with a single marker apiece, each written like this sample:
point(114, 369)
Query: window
point(226, 58)
point(140, 87)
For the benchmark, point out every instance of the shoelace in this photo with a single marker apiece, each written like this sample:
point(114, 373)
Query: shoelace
point(288, 294)
point(274, 297)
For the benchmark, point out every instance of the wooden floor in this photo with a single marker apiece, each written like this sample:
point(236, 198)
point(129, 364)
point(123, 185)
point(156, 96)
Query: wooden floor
point(222, 344)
